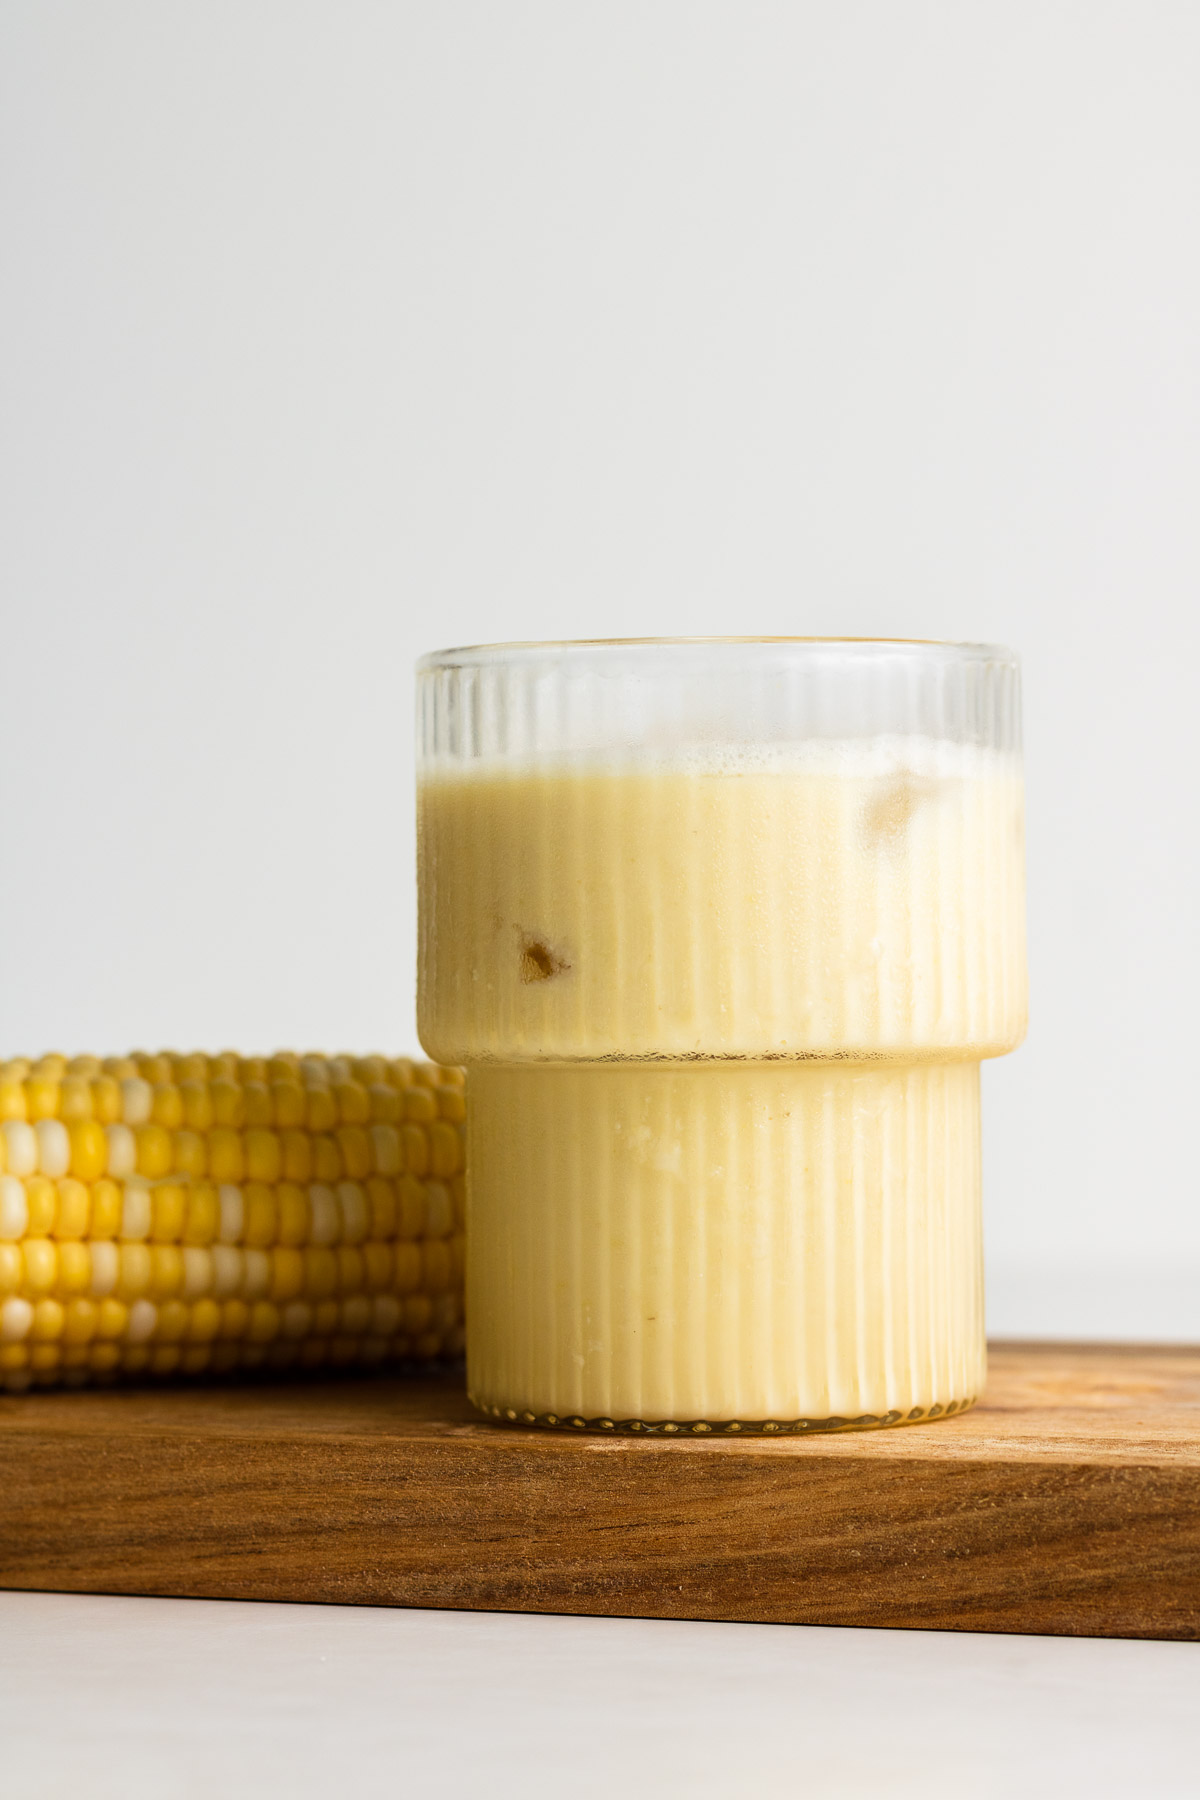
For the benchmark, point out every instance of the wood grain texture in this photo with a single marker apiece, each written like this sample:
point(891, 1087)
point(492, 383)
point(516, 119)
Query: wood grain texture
point(1068, 1502)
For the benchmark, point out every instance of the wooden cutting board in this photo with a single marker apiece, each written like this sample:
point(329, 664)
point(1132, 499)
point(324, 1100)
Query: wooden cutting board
point(1067, 1502)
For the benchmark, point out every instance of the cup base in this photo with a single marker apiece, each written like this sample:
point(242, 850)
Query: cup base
point(916, 1415)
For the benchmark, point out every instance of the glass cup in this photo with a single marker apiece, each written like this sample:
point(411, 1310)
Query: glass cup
point(722, 929)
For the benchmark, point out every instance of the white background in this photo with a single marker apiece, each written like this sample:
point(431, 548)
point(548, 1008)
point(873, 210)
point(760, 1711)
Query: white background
point(339, 331)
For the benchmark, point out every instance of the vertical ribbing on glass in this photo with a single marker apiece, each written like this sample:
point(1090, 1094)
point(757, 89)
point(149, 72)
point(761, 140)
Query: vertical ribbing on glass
point(763, 1242)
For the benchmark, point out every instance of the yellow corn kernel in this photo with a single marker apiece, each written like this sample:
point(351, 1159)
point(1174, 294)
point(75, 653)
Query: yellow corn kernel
point(205, 1321)
point(106, 1208)
point(203, 1213)
point(296, 1319)
point(412, 1208)
point(287, 1274)
point(189, 1068)
point(264, 1155)
point(154, 1151)
point(368, 1070)
point(228, 1104)
point(167, 1106)
point(13, 1104)
point(452, 1105)
point(260, 1111)
point(261, 1217)
point(120, 1068)
point(74, 1269)
point(112, 1317)
point(88, 1158)
point(288, 1106)
point(420, 1106)
point(406, 1267)
point(355, 1147)
point(166, 1271)
point(387, 1150)
point(75, 1099)
point(296, 1149)
point(197, 1105)
point(283, 1066)
point(79, 1321)
point(439, 1210)
point(416, 1149)
point(452, 1077)
point(437, 1268)
point(251, 1068)
point(325, 1318)
point(381, 1204)
point(387, 1108)
point(264, 1322)
point(400, 1072)
point(458, 1256)
point(42, 1096)
point(168, 1210)
point(173, 1321)
point(445, 1149)
point(351, 1273)
point(353, 1103)
point(135, 1271)
point(327, 1160)
point(153, 1069)
point(103, 1358)
point(189, 1154)
point(48, 1320)
point(356, 1315)
point(235, 1315)
point(11, 1269)
point(322, 1109)
point(377, 1266)
point(293, 1226)
point(224, 1067)
point(426, 1074)
point(72, 1210)
point(41, 1200)
point(226, 1155)
point(106, 1100)
point(418, 1313)
point(320, 1272)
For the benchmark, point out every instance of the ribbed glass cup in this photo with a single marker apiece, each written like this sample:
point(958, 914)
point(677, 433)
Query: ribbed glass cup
point(722, 929)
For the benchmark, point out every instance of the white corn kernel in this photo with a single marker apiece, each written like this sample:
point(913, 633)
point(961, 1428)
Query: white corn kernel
point(137, 1101)
point(106, 1266)
point(197, 1272)
point(14, 1210)
point(324, 1213)
point(16, 1316)
point(135, 1212)
point(143, 1317)
point(122, 1151)
point(227, 1271)
point(256, 1275)
point(20, 1147)
point(355, 1214)
point(439, 1218)
point(232, 1203)
point(54, 1147)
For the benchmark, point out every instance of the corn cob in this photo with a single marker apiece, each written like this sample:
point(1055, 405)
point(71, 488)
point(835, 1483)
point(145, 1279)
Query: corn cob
point(169, 1214)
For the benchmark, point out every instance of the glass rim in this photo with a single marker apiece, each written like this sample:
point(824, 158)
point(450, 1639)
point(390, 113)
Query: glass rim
point(527, 649)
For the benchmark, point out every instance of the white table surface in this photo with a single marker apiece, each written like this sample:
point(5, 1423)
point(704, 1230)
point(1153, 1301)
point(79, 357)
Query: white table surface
point(123, 1698)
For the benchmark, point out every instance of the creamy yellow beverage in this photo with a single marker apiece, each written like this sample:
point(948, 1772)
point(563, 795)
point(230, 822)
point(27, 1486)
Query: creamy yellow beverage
point(723, 1006)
